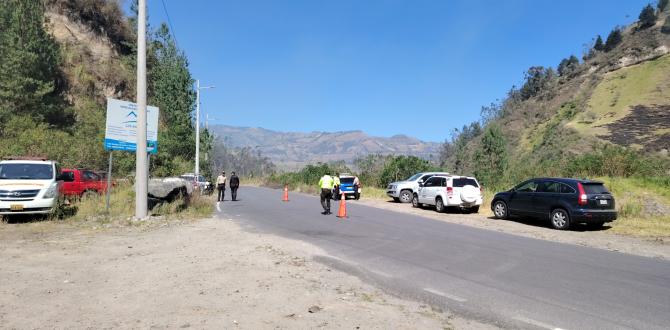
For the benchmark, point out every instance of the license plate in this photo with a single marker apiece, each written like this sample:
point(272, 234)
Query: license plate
point(16, 207)
point(603, 202)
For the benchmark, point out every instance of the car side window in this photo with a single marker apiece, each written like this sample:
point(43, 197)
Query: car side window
point(443, 182)
point(68, 176)
point(565, 189)
point(530, 186)
point(549, 187)
point(425, 177)
point(432, 182)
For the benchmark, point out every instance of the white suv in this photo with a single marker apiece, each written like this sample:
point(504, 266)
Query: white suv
point(29, 186)
point(402, 191)
point(449, 191)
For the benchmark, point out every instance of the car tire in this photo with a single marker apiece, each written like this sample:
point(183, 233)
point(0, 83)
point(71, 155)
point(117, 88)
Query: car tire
point(560, 219)
point(406, 196)
point(89, 194)
point(474, 209)
point(500, 210)
point(439, 205)
point(415, 202)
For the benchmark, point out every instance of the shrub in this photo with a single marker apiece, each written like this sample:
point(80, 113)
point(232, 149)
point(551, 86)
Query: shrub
point(613, 39)
point(647, 17)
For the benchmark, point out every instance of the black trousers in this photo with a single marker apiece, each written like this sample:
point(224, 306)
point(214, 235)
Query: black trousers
point(222, 192)
point(326, 195)
point(233, 192)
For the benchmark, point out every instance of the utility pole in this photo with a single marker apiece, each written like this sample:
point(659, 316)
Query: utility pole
point(197, 127)
point(141, 171)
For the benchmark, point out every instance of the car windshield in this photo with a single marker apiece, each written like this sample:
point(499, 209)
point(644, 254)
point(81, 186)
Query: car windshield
point(414, 177)
point(18, 171)
point(595, 188)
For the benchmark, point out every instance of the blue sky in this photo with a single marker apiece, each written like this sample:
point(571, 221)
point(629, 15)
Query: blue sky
point(420, 68)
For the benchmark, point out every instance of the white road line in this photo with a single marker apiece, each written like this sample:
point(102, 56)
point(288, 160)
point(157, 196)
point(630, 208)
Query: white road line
point(218, 206)
point(446, 295)
point(536, 323)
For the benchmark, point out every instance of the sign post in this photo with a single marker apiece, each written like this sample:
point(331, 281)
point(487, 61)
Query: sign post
point(121, 132)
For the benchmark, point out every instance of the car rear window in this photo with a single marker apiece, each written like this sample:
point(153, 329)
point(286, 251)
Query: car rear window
point(595, 188)
point(347, 180)
point(462, 182)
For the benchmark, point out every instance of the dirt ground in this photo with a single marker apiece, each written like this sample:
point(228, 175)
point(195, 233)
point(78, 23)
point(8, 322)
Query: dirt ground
point(581, 235)
point(197, 274)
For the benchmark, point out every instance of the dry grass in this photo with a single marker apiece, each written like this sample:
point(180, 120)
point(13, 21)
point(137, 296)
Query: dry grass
point(122, 208)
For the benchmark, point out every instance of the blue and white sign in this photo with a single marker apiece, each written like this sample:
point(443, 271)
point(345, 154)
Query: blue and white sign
point(121, 128)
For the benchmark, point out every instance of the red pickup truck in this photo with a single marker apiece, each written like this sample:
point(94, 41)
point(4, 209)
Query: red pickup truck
point(82, 183)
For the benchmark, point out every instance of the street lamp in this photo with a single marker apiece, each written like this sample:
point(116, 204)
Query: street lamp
point(197, 127)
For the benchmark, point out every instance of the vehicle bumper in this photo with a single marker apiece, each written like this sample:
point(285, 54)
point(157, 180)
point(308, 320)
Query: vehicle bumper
point(462, 204)
point(36, 206)
point(594, 216)
point(393, 193)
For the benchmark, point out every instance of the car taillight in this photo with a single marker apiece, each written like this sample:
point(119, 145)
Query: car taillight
point(583, 199)
point(450, 192)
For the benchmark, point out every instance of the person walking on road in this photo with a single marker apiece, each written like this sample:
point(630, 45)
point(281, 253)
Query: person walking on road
point(234, 184)
point(326, 184)
point(221, 186)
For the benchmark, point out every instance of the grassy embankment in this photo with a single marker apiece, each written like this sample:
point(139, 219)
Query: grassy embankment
point(122, 208)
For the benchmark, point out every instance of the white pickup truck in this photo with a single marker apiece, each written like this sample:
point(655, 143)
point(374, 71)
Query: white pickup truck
point(29, 186)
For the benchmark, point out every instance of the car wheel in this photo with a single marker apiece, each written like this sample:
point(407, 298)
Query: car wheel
point(89, 194)
point(474, 209)
point(415, 201)
point(500, 210)
point(560, 219)
point(439, 205)
point(405, 196)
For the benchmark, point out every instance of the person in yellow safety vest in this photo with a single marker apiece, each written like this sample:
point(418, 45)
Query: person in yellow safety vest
point(336, 190)
point(326, 184)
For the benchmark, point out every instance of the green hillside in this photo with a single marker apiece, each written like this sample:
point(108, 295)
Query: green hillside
point(604, 116)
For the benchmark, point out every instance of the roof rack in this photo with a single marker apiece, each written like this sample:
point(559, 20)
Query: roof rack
point(25, 158)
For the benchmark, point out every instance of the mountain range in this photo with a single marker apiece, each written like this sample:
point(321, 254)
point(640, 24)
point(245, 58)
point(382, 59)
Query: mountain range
point(292, 150)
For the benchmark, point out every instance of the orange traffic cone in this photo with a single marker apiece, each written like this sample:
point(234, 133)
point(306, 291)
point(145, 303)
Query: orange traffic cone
point(342, 212)
point(285, 199)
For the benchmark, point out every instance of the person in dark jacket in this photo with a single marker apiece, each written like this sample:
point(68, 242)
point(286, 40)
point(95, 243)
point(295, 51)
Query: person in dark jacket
point(234, 183)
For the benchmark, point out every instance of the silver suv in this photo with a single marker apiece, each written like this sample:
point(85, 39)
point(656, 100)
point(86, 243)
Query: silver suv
point(402, 191)
point(449, 191)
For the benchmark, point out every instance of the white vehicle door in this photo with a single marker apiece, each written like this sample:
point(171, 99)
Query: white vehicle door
point(429, 190)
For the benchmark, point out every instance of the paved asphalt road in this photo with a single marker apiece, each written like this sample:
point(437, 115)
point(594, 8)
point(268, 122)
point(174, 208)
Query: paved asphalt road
point(506, 280)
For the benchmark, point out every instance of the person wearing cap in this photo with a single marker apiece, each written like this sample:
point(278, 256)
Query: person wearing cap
point(326, 184)
point(234, 184)
point(221, 186)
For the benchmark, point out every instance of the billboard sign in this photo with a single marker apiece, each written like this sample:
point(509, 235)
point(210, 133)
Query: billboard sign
point(121, 128)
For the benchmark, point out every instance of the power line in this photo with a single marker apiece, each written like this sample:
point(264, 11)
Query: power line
point(172, 31)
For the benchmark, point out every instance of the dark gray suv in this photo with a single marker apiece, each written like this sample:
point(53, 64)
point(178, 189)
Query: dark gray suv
point(563, 201)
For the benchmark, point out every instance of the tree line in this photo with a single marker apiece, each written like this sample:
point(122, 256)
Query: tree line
point(42, 113)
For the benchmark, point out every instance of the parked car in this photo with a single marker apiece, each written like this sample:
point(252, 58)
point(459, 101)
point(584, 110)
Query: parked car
point(82, 183)
point(201, 184)
point(29, 186)
point(449, 191)
point(402, 191)
point(563, 201)
point(347, 187)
